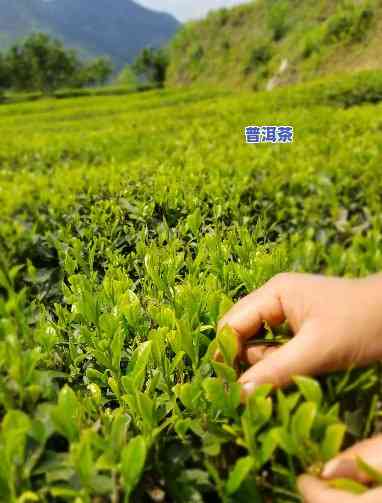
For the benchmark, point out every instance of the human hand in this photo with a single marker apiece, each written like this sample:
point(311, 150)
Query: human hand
point(314, 490)
point(345, 466)
point(337, 324)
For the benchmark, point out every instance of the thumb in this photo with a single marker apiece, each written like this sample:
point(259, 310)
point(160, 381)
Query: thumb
point(302, 355)
point(316, 491)
point(345, 465)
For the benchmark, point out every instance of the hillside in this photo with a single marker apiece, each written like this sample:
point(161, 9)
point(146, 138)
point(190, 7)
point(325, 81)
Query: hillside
point(118, 28)
point(270, 43)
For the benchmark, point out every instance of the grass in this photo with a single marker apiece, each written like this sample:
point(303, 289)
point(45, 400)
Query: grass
point(129, 225)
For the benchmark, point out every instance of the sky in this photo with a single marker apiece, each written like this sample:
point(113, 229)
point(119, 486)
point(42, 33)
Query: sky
point(188, 9)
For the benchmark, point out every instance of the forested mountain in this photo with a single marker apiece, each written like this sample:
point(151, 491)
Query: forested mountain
point(118, 28)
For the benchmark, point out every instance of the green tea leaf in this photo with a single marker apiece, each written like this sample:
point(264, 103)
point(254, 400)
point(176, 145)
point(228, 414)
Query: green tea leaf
point(374, 474)
point(260, 409)
point(189, 394)
point(225, 372)
point(309, 388)
point(332, 442)
point(228, 345)
point(194, 221)
point(116, 350)
point(140, 358)
point(187, 341)
point(15, 427)
point(303, 419)
point(132, 463)
point(147, 410)
point(348, 485)
point(269, 444)
point(67, 414)
point(224, 398)
point(239, 473)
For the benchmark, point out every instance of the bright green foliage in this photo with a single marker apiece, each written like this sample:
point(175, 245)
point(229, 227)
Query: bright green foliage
point(129, 225)
point(133, 463)
point(239, 474)
point(310, 389)
point(228, 345)
point(333, 440)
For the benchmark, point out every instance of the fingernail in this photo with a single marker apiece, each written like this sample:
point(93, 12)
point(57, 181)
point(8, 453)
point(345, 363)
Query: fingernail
point(248, 388)
point(331, 468)
point(340, 468)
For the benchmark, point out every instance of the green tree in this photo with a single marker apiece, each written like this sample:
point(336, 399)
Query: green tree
point(42, 63)
point(5, 81)
point(96, 72)
point(151, 66)
point(20, 69)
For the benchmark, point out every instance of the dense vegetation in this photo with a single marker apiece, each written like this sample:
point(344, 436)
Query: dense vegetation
point(117, 28)
point(128, 226)
point(151, 66)
point(268, 43)
point(41, 63)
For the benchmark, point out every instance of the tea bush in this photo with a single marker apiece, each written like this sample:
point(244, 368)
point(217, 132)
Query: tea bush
point(259, 56)
point(350, 23)
point(277, 18)
point(129, 225)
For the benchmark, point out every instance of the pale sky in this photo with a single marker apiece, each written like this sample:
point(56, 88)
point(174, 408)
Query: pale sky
point(188, 9)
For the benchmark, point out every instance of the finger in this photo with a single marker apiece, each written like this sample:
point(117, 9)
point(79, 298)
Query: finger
point(315, 491)
point(255, 354)
point(249, 314)
point(345, 465)
point(303, 355)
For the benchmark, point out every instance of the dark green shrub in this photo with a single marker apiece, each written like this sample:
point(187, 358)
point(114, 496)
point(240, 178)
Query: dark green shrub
point(277, 18)
point(260, 55)
point(95, 73)
point(312, 42)
point(226, 45)
point(41, 63)
point(197, 53)
point(223, 16)
point(349, 24)
point(151, 66)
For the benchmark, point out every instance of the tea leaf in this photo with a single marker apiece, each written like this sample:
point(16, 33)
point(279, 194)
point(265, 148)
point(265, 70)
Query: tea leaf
point(67, 413)
point(133, 460)
point(332, 442)
point(374, 474)
point(303, 419)
point(239, 473)
point(228, 345)
point(309, 388)
point(348, 485)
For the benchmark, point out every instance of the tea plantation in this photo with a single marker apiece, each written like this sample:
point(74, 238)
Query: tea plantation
point(128, 226)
